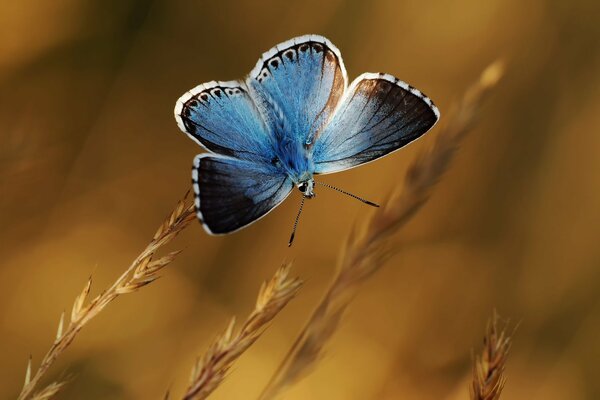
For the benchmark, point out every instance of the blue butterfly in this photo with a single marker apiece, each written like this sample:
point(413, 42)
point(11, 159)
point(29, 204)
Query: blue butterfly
point(292, 118)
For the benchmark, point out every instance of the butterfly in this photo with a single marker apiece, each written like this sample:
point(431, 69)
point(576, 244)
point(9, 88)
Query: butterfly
point(293, 117)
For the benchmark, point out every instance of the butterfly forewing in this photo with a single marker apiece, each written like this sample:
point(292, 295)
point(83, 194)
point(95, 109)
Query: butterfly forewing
point(222, 117)
point(379, 114)
point(299, 82)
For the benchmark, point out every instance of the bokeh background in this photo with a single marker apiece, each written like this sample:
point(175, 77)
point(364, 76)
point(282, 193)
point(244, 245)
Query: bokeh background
point(91, 160)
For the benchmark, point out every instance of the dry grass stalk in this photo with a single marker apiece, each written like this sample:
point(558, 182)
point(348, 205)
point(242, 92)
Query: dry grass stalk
point(142, 271)
point(49, 391)
point(364, 253)
point(210, 370)
point(488, 367)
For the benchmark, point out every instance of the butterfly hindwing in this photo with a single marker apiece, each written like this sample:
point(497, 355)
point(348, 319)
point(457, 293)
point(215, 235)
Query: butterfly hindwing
point(222, 117)
point(300, 83)
point(378, 115)
point(232, 193)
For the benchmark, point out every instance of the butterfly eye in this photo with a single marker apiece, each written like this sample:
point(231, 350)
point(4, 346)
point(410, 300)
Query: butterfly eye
point(303, 186)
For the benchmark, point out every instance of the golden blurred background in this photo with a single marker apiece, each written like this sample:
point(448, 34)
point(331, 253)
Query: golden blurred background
point(91, 161)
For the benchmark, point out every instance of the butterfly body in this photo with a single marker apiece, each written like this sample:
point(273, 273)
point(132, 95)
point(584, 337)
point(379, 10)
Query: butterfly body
point(292, 118)
point(294, 158)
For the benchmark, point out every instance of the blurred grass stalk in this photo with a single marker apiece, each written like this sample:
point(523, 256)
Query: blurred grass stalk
point(488, 367)
point(142, 271)
point(366, 251)
point(210, 370)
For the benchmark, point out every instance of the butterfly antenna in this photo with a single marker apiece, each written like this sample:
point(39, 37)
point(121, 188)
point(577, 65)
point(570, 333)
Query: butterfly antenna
point(348, 194)
point(296, 222)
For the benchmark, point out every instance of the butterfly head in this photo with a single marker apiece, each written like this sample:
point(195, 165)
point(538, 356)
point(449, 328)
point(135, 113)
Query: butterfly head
point(306, 187)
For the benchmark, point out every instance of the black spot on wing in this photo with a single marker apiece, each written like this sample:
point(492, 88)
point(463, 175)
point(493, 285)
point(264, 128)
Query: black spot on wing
point(289, 54)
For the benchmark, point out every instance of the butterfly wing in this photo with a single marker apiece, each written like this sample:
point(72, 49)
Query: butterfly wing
point(223, 118)
point(378, 115)
point(299, 83)
point(232, 193)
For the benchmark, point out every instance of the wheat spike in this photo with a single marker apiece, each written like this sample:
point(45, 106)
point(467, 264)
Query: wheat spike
point(212, 368)
point(141, 272)
point(488, 367)
point(49, 391)
point(28, 372)
point(61, 324)
point(76, 312)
